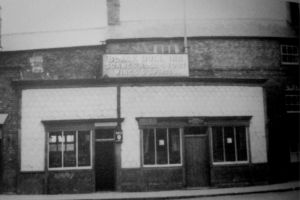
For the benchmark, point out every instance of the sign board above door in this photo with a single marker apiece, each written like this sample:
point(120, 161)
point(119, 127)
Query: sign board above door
point(145, 65)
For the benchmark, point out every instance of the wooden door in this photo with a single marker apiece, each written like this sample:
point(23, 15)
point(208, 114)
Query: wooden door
point(197, 161)
point(104, 162)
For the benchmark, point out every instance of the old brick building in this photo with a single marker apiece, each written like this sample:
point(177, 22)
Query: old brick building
point(147, 111)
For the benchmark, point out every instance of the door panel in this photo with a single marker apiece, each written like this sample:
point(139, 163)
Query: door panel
point(197, 161)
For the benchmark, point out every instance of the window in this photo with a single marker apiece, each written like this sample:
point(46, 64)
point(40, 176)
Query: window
point(292, 99)
point(289, 54)
point(294, 14)
point(161, 146)
point(69, 149)
point(166, 49)
point(229, 144)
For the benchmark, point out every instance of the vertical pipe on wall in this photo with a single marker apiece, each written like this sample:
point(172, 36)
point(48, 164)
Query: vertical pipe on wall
point(46, 163)
point(118, 145)
point(184, 28)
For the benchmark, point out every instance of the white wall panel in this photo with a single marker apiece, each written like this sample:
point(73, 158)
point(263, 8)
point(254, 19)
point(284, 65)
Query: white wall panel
point(58, 104)
point(173, 101)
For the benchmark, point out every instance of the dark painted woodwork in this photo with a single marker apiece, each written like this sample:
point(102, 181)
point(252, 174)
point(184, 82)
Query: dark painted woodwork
point(105, 165)
point(23, 84)
point(197, 161)
point(239, 174)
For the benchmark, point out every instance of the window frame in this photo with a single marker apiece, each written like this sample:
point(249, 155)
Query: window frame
point(288, 54)
point(77, 167)
point(168, 146)
point(236, 162)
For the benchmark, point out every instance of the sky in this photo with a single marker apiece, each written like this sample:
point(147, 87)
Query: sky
point(34, 24)
point(20, 16)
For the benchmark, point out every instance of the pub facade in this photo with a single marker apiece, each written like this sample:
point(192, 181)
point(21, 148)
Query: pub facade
point(152, 110)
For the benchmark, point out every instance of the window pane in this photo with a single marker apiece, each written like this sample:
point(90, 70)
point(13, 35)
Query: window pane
point(104, 133)
point(148, 145)
point(84, 152)
point(229, 144)
point(284, 49)
point(69, 149)
point(55, 154)
point(285, 59)
point(241, 143)
point(161, 146)
point(174, 145)
point(217, 137)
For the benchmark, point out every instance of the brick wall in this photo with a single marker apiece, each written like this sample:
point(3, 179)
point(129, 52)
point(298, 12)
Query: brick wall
point(9, 104)
point(64, 63)
point(212, 54)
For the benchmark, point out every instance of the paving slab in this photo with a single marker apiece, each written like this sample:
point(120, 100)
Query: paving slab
point(171, 194)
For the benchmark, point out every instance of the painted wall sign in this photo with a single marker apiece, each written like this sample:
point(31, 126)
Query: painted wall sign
point(145, 65)
point(36, 63)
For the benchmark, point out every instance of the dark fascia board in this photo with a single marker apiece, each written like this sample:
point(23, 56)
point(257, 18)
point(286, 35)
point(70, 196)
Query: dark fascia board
point(295, 37)
point(59, 122)
point(208, 118)
point(139, 81)
point(193, 121)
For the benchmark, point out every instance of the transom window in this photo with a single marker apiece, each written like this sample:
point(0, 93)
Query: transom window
point(289, 54)
point(161, 146)
point(229, 144)
point(69, 149)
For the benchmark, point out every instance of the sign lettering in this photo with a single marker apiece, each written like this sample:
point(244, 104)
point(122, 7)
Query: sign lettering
point(145, 65)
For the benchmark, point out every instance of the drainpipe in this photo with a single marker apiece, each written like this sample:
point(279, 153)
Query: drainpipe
point(185, 42)
point(118, 141)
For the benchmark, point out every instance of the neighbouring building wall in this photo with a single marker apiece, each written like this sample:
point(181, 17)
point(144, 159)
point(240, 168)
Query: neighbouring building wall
point(58, 104)
point(9, 104)
point(176, 101)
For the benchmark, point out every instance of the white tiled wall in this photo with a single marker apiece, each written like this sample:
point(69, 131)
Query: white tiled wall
point(150, 101)
point(58, 104)
point(172, 101)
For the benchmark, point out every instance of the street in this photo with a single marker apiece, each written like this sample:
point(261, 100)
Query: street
point(289, 195)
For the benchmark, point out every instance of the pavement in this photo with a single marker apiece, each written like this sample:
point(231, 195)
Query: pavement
point(171, 194)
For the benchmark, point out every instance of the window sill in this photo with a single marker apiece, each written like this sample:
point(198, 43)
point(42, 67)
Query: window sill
point(287, 63)
point(162, 166)
point(231, 163)
point(69, 168)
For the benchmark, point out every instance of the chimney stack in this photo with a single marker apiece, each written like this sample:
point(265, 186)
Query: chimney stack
point(113, 12)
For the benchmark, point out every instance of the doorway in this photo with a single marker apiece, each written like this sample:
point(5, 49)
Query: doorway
point(104, 160)
point(196, 156)
point(1, 162)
